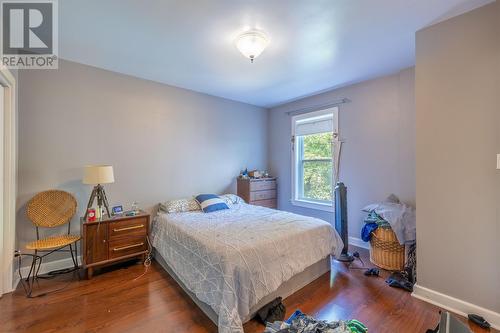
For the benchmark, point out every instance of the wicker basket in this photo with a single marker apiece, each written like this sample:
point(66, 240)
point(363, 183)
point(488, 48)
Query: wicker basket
point(385, 251)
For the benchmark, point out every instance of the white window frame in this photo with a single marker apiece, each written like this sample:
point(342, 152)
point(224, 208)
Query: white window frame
point(295, 200)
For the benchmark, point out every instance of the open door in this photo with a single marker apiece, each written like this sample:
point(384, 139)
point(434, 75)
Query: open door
point(2, 188)
point(7, 179)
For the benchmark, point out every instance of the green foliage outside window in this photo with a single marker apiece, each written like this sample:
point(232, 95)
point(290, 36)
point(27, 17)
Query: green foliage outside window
point(317, 166)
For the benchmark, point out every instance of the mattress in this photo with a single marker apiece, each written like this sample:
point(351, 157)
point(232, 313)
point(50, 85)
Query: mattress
point(232, 259)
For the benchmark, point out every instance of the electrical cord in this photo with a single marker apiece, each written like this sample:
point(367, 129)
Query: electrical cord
point(54, 273)
point(147, 261)
point(358, 257)
point(369, 271)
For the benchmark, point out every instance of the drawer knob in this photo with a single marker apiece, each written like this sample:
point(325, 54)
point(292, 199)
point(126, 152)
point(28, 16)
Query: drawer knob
point(127, 247)
point(129, 228)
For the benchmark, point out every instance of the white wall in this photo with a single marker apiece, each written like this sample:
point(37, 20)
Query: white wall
point(378, 157)
point(164, 142)
point(458, 188)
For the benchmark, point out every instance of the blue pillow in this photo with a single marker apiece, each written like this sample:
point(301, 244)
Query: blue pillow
point(211, 203)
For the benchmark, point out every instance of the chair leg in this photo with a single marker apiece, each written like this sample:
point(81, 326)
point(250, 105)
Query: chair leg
point(30, 283)
point(35, 272)
point(76, 255)
point(31, 269)
point(72, 256)
point(76, 262)
point(39, 265)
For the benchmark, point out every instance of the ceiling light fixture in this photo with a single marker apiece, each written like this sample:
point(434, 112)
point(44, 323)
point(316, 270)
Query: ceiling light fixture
point(252, 43)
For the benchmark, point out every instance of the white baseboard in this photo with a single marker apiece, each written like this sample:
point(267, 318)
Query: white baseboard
point(455, 305)
point(359, 242)
point(15, 282)
point(46, 267)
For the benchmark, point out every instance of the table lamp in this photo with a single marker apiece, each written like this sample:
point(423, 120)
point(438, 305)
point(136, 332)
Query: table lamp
point(98, 175)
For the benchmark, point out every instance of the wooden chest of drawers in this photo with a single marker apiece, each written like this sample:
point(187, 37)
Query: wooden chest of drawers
point(114, 239)
point(260, 192)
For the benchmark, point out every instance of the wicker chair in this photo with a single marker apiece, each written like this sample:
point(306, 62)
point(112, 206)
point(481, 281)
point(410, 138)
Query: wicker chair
point(50, 209)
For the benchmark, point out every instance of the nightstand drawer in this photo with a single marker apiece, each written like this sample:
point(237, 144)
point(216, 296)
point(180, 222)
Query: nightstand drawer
point(263, 185)
point(262, 195)
point(136, 227)
point(125, 246)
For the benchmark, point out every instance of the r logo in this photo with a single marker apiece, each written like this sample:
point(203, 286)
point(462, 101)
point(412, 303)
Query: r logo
point(27, 28)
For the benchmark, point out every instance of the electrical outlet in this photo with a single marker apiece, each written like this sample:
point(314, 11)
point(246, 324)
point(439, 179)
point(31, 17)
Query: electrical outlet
point(498, 161)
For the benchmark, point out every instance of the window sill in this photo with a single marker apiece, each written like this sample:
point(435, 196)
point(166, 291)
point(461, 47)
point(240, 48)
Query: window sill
point(313, 205)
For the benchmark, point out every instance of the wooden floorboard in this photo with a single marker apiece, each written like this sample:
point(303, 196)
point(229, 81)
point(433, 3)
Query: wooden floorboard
point(115, 301)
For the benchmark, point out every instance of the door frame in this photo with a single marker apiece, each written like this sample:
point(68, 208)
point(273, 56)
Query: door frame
point(8, 229)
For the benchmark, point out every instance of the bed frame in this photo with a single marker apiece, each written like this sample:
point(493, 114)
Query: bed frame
point(286, 289)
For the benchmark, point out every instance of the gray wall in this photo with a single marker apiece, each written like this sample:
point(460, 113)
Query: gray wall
point(164, 142)
point(458, 126)
point(378, 157)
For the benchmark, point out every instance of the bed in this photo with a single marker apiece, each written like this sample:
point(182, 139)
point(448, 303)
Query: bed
point(232, 262)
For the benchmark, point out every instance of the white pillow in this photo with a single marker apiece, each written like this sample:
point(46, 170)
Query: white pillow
point(180, 206)
point(231, 199)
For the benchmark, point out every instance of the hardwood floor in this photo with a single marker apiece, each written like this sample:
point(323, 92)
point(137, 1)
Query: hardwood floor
point(114, 302)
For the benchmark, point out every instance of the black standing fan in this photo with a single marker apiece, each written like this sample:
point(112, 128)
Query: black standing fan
point(341, 220)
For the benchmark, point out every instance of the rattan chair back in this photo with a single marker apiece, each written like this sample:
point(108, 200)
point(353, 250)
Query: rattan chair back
point(51, 208)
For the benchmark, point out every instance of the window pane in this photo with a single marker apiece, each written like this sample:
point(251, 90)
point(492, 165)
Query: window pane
point(318, 146)
point(317, 181)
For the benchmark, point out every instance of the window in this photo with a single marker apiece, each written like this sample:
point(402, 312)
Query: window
point(313, 139)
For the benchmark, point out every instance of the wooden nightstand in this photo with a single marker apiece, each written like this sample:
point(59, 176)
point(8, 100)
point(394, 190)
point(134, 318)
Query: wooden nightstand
point(259, 192)
point(109, 240)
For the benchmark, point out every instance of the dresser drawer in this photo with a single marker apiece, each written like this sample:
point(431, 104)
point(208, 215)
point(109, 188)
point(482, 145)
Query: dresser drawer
point(125, 246)
point(263, 185)
point(136, 227)
point(270, 203)
point(262, 195)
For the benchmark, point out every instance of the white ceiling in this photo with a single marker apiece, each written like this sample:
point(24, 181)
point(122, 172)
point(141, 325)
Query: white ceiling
point(315, 44)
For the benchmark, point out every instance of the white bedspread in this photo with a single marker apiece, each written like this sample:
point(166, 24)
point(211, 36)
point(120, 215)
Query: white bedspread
point(231, 259)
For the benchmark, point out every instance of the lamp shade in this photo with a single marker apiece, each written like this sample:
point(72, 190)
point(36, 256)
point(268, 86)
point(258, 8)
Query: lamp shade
point(98, 174)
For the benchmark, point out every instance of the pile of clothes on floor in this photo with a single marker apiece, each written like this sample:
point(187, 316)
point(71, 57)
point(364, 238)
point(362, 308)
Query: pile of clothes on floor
point(401, 218)
point(302, 323)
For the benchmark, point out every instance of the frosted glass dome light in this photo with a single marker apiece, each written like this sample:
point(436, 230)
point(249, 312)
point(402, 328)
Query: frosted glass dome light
point(252, 43)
